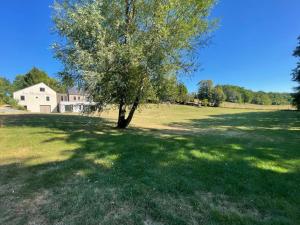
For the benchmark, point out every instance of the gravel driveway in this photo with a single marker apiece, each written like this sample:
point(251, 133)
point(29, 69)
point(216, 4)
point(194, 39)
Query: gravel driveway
point(8, 109)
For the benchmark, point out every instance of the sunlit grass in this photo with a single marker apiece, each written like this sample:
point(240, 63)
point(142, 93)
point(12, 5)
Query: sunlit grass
point(174, 165)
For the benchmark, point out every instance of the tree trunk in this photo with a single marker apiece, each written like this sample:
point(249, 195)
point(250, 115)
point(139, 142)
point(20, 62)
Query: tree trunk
point(123, 122)
point(122, 115)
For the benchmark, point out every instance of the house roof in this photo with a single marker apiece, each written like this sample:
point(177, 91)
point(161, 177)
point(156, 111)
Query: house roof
point(75, 91)
point(35, 85)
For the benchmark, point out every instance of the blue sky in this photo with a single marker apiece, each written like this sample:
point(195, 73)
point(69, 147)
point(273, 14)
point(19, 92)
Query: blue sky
point(252, 46)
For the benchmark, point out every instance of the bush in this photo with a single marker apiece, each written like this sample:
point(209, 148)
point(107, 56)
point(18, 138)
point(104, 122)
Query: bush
point(14, 104)
point(205, 102)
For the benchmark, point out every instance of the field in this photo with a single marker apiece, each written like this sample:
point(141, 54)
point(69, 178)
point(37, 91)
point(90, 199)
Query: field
point(175, 165)
point(255, 106)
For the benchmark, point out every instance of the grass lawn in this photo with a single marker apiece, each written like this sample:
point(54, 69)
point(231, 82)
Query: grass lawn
point(175, 165)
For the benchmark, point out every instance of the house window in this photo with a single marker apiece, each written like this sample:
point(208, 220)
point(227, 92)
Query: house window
point(68, 108)
point(47, 98)
point(22, 98)
point(74, 98)
point(78, 98)
point(62, 98)
point(42, 89)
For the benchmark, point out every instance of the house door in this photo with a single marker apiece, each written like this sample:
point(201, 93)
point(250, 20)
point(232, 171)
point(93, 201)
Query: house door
point(45, 108)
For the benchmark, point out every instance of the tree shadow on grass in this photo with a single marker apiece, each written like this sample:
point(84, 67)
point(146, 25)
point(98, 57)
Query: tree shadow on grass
point(142, 176)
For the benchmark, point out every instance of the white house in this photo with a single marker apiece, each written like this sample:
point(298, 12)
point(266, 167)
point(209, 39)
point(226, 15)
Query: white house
point(42, 99)
point(37, 98)
point(75, 106)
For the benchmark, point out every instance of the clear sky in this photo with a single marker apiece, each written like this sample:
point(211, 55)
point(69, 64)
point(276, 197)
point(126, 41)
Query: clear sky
point(252, 47)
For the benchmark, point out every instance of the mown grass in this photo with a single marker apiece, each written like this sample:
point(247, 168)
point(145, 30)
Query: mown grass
point(175, 165)
point(255, 106)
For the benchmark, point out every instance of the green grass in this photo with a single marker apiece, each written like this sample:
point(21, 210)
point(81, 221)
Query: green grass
point(175, 165)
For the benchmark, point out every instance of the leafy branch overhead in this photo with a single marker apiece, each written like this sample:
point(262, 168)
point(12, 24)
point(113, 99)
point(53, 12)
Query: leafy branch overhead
point(120, 50)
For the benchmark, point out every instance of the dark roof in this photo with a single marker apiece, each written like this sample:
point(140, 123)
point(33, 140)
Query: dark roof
point(75, 91)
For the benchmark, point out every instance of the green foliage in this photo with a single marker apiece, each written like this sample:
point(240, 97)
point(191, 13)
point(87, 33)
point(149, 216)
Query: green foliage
point(19, 83)
point(296, 99)
point(261, 98)
point(5, 90)
point(218, 96)
point(35, 76)
point(182, 93)
point(171, 90)
point(14, 104)
point(210, 95)
point(238, 94)
point(167, 89)
point(206, 89)
point(296, 76)
point(234, 93)
point(6, 97)
point(280, 98)
point(231, 93)
point(121, 49)
point(247, 96)
point(205, 102)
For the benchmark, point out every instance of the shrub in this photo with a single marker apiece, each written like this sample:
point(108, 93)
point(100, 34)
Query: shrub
point(14, 104)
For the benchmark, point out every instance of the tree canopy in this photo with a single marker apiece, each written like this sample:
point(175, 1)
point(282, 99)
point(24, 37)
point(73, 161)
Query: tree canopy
point(120, 50)
point(205, 90)
point(215, 95)
point(296, 76)
point(5, 90)
point(35, 76)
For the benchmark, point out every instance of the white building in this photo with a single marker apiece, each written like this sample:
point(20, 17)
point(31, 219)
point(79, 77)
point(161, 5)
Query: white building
point(75, 106)
point(37, 98)
point(42, 99)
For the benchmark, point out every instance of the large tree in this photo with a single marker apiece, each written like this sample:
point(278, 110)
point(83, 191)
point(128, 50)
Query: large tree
point(296, 76)
point(120, 49)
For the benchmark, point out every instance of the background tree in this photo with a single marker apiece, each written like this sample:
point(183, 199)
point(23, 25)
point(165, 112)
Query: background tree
point(5, 90)
point(19, 82)
point(167, 90)
point(296, 76)
point(182, 93)
point(35, 76)
point(119, 49)
point(261, 98)
point(247, 96)
point(205, 90)
point(218, 96)
point(232, 95)
point(238, 94)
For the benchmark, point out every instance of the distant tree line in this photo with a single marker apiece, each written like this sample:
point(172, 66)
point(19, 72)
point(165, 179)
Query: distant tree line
point(215, 95)
point(34, 76)
point(170, 89)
